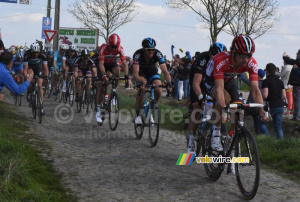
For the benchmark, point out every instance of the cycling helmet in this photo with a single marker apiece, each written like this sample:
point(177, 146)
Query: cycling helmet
point(243, 44)
point(63, 47)
point(114, 40)
point(85, 53)
point(51, 53)
point(35, 47)
point(148, 43)
point(72, 47)
point(216, 48)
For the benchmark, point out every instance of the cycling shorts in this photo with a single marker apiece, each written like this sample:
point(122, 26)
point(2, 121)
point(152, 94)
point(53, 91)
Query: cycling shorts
point(208, 85)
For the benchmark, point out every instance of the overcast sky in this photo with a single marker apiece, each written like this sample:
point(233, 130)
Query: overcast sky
point(22, 24)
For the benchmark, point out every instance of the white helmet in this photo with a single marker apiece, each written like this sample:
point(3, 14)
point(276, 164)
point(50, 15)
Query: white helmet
point(72, 47)
point(35, 47)
point(63, 47)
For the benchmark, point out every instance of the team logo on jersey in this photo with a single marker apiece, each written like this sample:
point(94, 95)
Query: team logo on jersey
point(221, 64)
point(202, 62)
point(253, 66)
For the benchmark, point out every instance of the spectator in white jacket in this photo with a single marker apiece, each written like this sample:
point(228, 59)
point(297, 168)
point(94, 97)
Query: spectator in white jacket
point(284, 76)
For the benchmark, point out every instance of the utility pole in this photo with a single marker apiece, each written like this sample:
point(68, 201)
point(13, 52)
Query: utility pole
point(48, 16)
point(56, 24)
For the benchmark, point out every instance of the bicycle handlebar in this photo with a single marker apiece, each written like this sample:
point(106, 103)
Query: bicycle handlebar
point(242, 106)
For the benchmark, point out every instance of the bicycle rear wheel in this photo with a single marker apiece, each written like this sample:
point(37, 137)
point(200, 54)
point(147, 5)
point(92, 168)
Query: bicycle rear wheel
point(79, 103)
point(16, 99)
point(153, 121)
point(139, 129)
point(113, 111)
point(247, 174)
point(213, 170)
point(39, 106)
point(88, 101)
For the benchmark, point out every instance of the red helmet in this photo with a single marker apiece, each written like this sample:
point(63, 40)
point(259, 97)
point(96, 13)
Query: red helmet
point(114, 40)
point(243, 44)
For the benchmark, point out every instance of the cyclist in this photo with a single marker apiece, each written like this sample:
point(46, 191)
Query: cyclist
point(84, 66)
point(219, 79)
point(145, 71)
point(17, 67)
point(36, 62)
point(107, 63)
point(71, 56)
point(59, 63)
point(50, 59)
point(196, 74)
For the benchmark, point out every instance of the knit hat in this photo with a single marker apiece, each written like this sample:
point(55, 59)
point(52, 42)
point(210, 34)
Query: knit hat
point(261, 73)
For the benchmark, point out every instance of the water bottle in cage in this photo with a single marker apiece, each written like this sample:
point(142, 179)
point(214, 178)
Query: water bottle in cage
point(106, 99)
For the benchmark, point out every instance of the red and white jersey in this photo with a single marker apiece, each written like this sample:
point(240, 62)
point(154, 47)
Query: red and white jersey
point(110, 57)
point(220, 67)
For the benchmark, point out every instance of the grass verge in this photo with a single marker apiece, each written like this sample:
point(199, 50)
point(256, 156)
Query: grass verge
point(24, 174)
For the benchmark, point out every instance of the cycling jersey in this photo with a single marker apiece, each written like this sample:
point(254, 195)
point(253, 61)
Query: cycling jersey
point(85, 68)
point(70, 60)
point(198, 67)
point(7, 80)
point(149, 69)
point(110, 57)
point(220, 67)
point(35, 63)
point(17, 65)
point(59, 59)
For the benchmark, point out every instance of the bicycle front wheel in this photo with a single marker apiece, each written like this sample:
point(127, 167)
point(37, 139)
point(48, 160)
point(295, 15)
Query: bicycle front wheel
point(33, 105)
point(19, 100)
point(153, 121)
point(71, 94)
point(114, 111)
point(247, 174)
point(39, 106)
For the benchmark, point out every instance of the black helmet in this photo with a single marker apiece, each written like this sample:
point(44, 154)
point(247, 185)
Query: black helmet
point(148, 43)
point(216, 48)
point(85, 53)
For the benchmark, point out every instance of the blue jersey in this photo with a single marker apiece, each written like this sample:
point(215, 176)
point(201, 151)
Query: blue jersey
point(59, 59)
point(17, 65)
point(7, 80)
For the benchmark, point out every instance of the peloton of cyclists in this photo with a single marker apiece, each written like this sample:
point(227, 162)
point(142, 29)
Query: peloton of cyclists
point(107, 63)
point(145, 71)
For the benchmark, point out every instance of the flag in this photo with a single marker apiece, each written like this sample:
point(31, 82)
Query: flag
point(172, 50)
point(180, 50)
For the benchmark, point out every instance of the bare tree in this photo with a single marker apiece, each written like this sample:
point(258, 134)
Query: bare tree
point(255, 17)
point(103, 15)
point(216, 14)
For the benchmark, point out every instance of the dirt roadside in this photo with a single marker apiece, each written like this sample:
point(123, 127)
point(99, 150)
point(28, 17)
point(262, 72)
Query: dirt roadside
point(100, 165)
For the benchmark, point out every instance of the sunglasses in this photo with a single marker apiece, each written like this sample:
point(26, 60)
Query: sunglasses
point(150, 49)
point(243, 56)
point(113, 47)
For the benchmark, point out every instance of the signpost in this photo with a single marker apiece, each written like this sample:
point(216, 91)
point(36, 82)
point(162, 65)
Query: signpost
point(46, 25)
point(50, 34)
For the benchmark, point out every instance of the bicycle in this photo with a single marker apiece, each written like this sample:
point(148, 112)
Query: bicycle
point(242, 144)
point(84, 95)
point(69, 94)
point(58, 88)
point(36, 103)
point(18, 98)
point(150, 115)
point(111, 103)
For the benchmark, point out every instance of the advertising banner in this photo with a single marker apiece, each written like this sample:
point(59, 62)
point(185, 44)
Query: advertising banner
point(81, 37)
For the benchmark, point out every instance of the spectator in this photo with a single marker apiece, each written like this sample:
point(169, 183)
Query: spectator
point(240, 78)
point(284, 76)
point(1, 47)
point(260, 126)
point(182, 74)
point(274, 93)
point(175, 64)
point(6, 62)
point(294, 80)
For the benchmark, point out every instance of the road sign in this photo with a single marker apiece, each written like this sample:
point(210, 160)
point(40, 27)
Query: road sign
point(46, 25)
point(50, 34)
